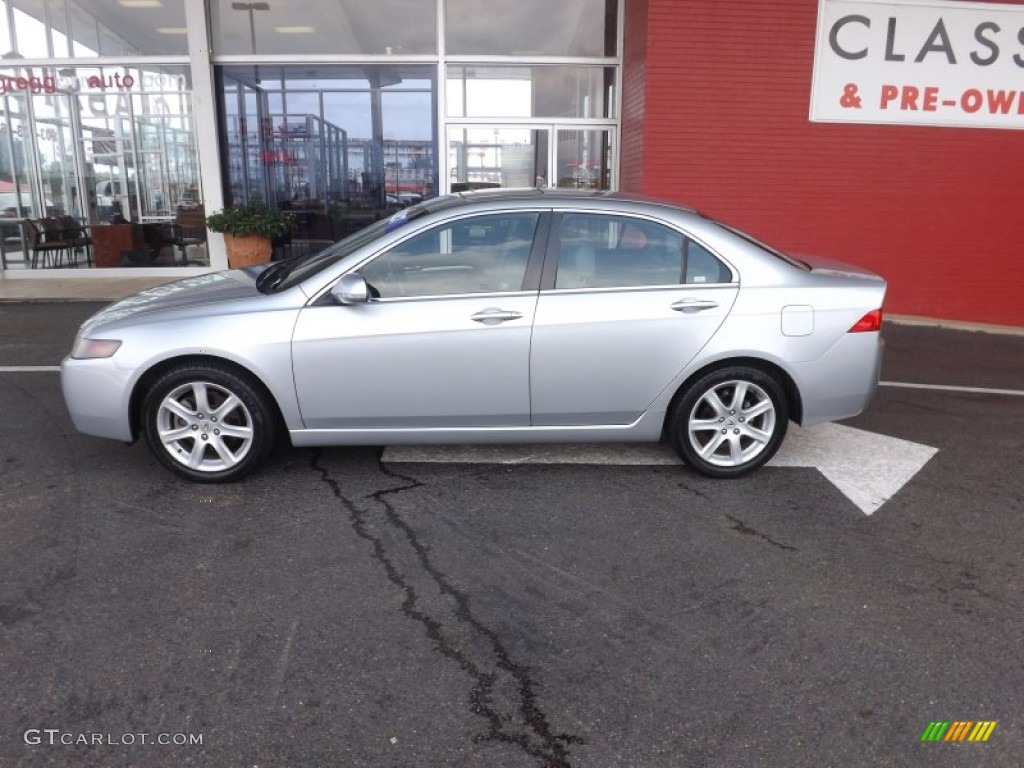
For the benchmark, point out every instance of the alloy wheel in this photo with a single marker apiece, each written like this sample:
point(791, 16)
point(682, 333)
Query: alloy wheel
point(204, 426)
point(732, 423)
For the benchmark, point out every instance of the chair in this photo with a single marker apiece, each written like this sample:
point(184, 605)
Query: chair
point(78, 236)
point(45, 239)
point(188, 228)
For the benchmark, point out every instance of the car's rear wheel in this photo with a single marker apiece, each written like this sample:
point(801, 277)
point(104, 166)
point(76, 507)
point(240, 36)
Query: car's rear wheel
point(208, 423)
point(730, 422)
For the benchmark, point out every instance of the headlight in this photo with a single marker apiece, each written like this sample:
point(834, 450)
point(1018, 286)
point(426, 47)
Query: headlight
point(87, 349)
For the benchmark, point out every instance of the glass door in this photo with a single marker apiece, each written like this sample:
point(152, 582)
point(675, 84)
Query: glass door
point(583, 157)
point(491, 156)
point(548, 156)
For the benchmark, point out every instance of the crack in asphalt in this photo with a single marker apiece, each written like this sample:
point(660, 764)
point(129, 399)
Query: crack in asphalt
point(740, 527)
point(694, 491)
point(535, 738)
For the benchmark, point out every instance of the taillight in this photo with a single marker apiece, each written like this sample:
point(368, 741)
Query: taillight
point(872, 321)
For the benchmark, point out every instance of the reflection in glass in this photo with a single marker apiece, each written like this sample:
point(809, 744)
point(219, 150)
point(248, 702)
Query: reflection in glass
point(99, 145)
point(383, 27)
point(488, 157)
point(481, 254)
point(354, 150)
point(531, 27)
point(521, 91)
point(584, 159)
point(87, 28)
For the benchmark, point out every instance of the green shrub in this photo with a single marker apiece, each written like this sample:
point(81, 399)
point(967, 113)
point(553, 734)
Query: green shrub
point(250, 219)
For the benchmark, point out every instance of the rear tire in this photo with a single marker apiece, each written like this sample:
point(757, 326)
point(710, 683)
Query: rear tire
point(208, 423)
point(730, 421)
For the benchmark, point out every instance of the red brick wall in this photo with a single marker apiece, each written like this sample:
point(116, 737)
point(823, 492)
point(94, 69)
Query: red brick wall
point(723, 116)
point(634, 93)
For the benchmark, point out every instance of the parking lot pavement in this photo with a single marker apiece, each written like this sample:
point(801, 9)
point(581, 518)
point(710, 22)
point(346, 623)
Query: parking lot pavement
point(340, 610)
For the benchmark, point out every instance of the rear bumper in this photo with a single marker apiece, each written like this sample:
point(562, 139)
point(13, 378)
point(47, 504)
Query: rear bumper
point(842, 382)
point(96, 393)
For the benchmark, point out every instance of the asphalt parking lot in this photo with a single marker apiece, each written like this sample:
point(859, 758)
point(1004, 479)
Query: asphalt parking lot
point(337, 609)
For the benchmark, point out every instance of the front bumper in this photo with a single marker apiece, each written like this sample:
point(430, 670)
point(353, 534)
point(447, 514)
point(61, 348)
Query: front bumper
point(97, 395)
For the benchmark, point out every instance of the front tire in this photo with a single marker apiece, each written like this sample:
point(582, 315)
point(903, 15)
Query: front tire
point(730, 421)
point(207, 423)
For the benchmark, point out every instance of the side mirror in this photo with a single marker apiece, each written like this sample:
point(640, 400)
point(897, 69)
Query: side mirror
point(351, 289)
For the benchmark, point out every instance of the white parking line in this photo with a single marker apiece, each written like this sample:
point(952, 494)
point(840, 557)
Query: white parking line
point(949, 388)
point(28, 368)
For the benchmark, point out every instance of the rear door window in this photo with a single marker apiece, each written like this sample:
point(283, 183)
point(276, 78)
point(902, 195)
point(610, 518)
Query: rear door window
point(608, 251)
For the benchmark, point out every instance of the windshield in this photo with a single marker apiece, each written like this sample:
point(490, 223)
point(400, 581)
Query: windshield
point(291, 273)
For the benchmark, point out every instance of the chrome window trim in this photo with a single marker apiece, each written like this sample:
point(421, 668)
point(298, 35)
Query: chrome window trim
point(446, 296)
point(640, 288)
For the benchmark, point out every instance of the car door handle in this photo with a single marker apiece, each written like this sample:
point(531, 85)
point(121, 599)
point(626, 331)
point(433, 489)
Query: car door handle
point(693, 305)
point(493, 316)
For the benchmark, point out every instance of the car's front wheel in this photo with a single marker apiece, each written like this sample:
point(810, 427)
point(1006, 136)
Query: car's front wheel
point(208, 423)
point(730, 422)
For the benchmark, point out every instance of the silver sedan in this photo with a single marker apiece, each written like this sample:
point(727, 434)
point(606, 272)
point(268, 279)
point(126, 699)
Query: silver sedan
point(489, 318)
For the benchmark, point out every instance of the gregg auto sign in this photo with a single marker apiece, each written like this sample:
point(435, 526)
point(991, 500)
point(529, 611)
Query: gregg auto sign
point(919, 62)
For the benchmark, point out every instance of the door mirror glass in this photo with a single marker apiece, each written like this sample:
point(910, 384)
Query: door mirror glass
point(351, 289)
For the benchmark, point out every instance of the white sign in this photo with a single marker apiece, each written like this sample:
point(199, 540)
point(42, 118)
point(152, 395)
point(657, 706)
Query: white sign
point(919, 62)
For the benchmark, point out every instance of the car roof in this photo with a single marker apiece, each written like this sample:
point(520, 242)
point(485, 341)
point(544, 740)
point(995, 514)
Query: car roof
point(561, 196)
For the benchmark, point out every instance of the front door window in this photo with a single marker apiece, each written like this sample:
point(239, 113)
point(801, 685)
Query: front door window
point(483, 254)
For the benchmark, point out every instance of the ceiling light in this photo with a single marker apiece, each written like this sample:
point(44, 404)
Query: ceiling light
point(140, 3)
point(172, 30)
point(295, 30)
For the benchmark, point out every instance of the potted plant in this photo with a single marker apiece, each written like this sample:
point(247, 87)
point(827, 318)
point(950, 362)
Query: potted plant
point(249, 231)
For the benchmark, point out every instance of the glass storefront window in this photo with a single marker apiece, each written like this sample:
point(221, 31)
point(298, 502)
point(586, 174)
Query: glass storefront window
point(531, 27)
point(112, 145)
point(383, 27)
point(486, 156)
point(338, 146)
point(137, 140)
point(583, 159)
point(82, 29)
point(539, 91)
point(498, 156)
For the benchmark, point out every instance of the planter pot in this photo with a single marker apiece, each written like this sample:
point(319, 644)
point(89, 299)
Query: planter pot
point(248, 250)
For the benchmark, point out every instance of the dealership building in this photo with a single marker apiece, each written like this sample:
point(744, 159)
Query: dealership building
point(882, 133)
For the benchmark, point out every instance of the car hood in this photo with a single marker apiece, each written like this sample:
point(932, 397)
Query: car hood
point(214, 288)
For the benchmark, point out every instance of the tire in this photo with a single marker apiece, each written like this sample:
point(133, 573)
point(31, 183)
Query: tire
point(192, 441)
point(730, 421)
